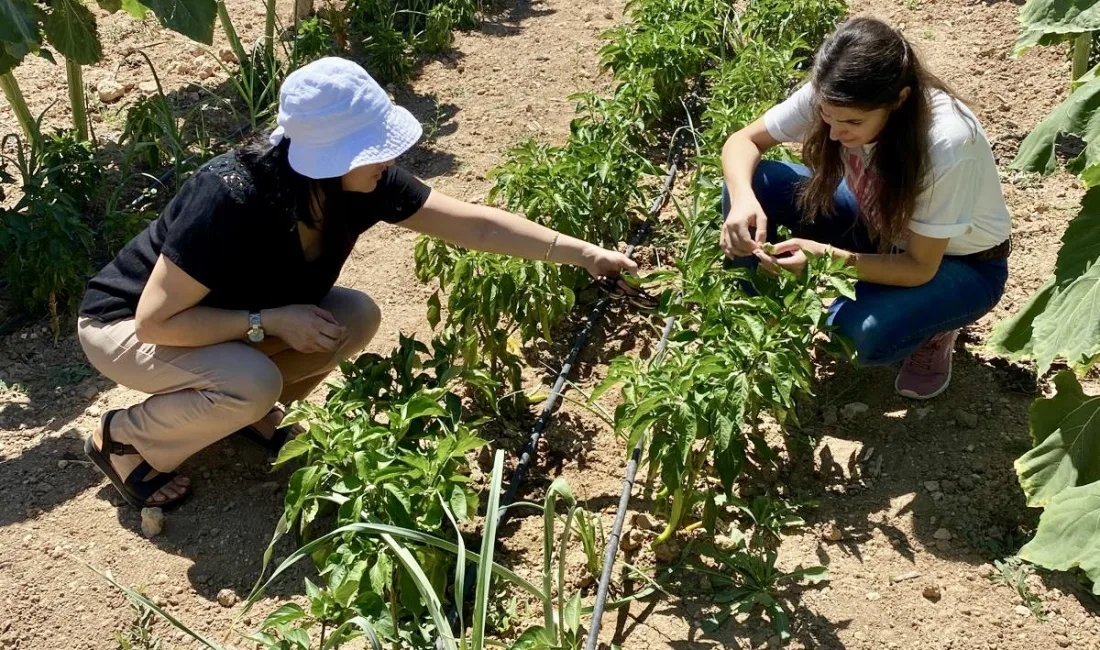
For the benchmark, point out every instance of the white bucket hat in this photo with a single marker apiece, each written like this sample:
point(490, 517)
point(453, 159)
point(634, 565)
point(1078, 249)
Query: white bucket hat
point(338, 118)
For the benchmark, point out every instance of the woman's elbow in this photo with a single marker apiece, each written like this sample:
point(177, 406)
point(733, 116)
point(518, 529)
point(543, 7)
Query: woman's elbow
point(146, 328)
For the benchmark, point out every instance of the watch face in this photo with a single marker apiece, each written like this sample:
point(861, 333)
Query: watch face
point(255, 335)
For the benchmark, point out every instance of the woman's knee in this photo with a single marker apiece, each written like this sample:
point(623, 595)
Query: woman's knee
point(358, 313)
point(867, 334)
point(254, 390)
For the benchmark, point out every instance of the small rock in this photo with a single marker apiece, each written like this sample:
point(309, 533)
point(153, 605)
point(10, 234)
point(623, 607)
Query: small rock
point(226, 598)
point(93, 411)
point(159, 601)
point(829, 417)
point(911, 575)
point(227, 55)
point(152, 521)
point(667, 552)
point(1023, 611)
point(873, 595)
point(632, 539)
point(936, 496)
point(89, 391)
point(62, 464)
point(1062, 641)
point(922, 412)
point(110, 91)
point(646, 521)
point(149, 87)
point(970, 449)
point(932, 593)
point(727, 543)
point(942, 534)
point(608, 15)
point(966, 483)
point(831, 532)
point(932, 486)
point(852, 410)
point(160, 578)
point(968, 420)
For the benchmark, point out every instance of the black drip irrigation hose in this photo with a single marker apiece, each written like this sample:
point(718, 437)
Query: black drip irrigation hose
point(620, 516)
point(556, 391)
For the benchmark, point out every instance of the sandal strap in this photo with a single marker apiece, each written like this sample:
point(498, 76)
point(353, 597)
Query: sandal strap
point(146, 488)
point(111, 447)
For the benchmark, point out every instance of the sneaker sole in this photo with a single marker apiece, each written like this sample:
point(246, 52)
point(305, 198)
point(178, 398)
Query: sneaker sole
point(923, 398)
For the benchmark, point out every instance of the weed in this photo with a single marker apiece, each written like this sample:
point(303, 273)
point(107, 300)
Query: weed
point(1014, 573)
point(139, 635)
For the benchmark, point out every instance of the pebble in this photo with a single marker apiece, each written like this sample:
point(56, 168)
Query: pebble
point(632, 539)
point(646, 521)
point(227, 55)
point(831, 532)
point(852, 410)
point(968, 420)
point(1062, 641)
point(668, 552)
point(110, 91)
point(923, 412)
point(159, 601)
point(62, 464)
point(873, 595)
point(89, 391)
point(152, 521)
point(932, 486)
point(932, 593)
point(93, 411)
point(226, 598)
point(1023, 611)
point(911, 575)
point(160, 578)
point(942, 534)
point(148, 87)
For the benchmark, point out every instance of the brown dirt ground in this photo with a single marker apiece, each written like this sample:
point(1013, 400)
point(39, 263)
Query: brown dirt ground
point(56, 507)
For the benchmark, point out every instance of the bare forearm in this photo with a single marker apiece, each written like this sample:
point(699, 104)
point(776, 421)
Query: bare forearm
point(895, 269)
point(501, 232)
point(194, 327)
point(739, 159)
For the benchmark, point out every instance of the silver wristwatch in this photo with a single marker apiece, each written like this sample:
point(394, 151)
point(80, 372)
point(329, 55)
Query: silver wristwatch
point(255, 327)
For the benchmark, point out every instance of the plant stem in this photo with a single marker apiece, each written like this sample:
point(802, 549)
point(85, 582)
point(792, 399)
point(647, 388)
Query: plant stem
point(269, 32)
point(680, 496)
point(231, 33)
point(75, 78)
point(1082, 47)
point(19, 105)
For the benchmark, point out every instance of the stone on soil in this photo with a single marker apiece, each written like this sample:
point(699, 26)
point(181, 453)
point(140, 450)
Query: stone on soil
point(966, 419)
point(852, 410)
point(942, 534)
point(226, 598)
point(646, 521)
point(152, 521)
point(932, 486)
point(932, 593)
point(110, 91)
point(831, 532)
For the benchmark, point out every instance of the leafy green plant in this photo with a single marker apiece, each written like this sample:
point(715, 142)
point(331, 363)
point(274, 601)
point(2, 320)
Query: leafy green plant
point(800, 24)
point(743, 581)
point(1014, 573)
point(139, 635)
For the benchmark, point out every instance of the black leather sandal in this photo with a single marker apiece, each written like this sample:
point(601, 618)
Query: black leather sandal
point(273, 444)
point(136, 489)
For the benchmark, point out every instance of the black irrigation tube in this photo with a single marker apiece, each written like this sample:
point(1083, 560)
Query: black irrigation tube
point(528, 452)
point(620, 515)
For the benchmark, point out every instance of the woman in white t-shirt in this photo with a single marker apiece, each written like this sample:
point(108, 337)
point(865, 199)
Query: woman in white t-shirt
point(900, 182)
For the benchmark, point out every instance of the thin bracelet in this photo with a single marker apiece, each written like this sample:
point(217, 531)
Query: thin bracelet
point(553, 243)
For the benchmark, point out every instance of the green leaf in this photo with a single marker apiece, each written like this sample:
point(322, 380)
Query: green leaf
point(71, 28)
point(434, 310)
point(288, 613)
point(458, 501)
point(137, 10)
point(292, 449)
point(192, 18)
point(572, 618)
point(1066, 431)
point(1060, 319)
point(488, 546)
point(1068, 536)
point(1077, 115)
point(19, 27)
point(110, 6)
point(1047, 21)
point(534, 638)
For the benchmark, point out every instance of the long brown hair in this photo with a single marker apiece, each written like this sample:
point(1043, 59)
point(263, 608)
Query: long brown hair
point(865, 64)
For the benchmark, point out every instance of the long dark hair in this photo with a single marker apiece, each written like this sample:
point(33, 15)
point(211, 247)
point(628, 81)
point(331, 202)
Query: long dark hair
point(304, 198)
point(865, 64)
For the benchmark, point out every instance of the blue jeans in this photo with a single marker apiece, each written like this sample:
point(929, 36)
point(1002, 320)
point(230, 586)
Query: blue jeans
point(884, 323)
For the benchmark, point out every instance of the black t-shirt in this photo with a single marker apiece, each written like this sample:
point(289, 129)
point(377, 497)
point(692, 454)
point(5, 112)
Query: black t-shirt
point(225, 234)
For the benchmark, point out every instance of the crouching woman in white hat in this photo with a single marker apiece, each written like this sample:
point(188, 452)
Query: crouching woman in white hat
point(226, 304)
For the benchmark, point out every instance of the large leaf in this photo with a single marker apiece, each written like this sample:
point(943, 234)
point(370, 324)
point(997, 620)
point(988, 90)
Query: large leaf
point(1060, 321)
point(1077, 116)
point(71, 29)
point(1066, 431)
point(192, 18)
point(1047, 21)
point(19, 33)
point(1069, 534)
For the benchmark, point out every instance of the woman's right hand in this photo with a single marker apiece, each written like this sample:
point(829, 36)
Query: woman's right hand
point(305, 328)
point(737, 237)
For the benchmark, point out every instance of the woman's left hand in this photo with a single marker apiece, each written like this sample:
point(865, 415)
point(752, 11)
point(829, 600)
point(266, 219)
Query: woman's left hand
point(790, 255)
point(601, 262)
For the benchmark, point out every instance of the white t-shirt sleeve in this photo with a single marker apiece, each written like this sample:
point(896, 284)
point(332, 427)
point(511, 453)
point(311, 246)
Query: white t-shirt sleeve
point(944, 210)
point(790, 120)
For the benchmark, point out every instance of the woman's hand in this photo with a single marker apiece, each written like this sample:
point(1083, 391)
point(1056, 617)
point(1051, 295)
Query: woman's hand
point(790, 255)
point(600, 262)
point(737, 239)
point(305, 328)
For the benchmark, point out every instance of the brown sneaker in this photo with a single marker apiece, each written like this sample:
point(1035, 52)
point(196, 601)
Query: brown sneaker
point(927, 372)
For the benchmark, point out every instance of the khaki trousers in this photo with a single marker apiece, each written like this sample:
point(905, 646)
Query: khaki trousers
point(201, 395)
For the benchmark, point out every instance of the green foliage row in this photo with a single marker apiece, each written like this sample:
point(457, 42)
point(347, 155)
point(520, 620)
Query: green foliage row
point(1061, 473)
